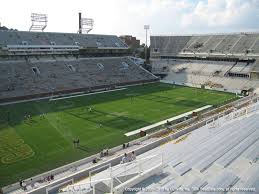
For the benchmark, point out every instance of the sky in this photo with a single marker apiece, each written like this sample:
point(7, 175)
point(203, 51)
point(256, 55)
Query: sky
point(128, 17)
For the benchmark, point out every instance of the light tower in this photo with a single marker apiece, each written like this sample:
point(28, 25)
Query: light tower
point(85, 24)
point(146, 27)
point(39, 22)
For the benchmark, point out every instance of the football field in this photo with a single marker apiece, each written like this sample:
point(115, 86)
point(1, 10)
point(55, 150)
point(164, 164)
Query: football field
point(38, 136)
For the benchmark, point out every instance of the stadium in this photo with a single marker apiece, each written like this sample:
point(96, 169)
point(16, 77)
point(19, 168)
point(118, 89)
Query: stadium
point(79, 113)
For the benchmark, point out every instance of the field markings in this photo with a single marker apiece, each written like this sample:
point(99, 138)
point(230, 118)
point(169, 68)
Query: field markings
point(12, 147)
point(57, 122)
point(88, 94)
point(53, 121)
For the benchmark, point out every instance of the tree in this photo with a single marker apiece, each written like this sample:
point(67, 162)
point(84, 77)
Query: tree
point(3, 28)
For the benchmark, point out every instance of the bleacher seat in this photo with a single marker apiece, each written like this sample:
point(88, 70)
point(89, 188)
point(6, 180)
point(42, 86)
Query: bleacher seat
point(18, 78)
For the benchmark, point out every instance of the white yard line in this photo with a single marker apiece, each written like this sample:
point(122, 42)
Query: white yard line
point(49, 97)
point(88, 94)
point(21, 101)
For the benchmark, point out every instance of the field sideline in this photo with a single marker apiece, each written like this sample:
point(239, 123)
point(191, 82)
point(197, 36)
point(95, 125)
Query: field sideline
point(32, 146)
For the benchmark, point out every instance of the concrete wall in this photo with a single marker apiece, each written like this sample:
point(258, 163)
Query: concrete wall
point(86, 90)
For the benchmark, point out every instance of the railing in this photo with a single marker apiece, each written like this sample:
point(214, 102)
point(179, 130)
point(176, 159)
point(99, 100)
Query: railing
point(205, 34)
point(108, 166)
point(223, 118)
point(137, 166)
point(88, 187)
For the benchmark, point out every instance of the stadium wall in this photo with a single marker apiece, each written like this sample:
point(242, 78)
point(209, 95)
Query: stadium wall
point(86, 90)
point(234, 91)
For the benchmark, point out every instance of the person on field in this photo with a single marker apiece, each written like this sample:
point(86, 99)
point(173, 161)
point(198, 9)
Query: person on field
point(42, 116)
point(74, 143)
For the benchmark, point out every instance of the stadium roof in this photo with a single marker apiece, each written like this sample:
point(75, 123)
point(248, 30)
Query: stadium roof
point(26, 38)
point(224, 45)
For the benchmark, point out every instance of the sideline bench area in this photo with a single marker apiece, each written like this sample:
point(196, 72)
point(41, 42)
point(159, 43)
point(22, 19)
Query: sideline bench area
point(167, 120)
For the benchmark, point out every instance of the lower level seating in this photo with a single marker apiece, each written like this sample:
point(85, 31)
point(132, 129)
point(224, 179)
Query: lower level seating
point(223, 75)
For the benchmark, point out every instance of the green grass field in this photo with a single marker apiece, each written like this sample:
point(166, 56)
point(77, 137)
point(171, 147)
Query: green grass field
point(31, 147)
